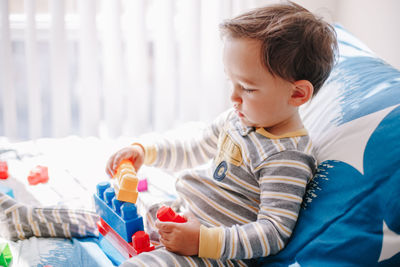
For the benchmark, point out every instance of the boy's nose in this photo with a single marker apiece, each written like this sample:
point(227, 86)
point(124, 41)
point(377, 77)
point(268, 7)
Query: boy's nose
point(235, 97)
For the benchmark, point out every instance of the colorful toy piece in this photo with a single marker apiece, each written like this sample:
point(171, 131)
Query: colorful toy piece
point(166, 214)
point(121, 216)
point(37, 175)
point(140, 241)
point(5, 255)
point(126, 182)
point(6, 190)
point(143, 185)
point(3, 170)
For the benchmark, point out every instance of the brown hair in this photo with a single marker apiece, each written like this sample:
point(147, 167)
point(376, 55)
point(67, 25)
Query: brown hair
point(296, 45)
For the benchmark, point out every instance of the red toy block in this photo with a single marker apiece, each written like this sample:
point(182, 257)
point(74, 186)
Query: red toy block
point(140, 240)
point(39, 174)
point(3, 170)
point(166, 214)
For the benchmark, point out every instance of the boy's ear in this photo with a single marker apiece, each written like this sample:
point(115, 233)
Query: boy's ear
point(302, 92)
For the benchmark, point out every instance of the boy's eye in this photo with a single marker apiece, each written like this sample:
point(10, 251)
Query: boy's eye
point(247, 90)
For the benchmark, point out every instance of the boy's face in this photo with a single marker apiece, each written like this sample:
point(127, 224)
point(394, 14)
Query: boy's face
point(260, 99)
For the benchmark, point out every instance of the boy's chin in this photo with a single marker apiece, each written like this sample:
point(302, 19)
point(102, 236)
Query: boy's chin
point(246, 122)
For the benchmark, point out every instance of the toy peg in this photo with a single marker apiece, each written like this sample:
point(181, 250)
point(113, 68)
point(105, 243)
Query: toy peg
point(166, 214)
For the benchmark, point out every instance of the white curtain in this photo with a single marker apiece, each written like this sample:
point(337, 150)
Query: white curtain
point(110, 68)
point(125, 67)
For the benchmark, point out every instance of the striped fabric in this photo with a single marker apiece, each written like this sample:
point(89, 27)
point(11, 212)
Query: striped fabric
point(22, 222)
point(253, 187)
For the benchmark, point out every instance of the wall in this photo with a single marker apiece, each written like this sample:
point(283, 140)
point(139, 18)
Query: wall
point(376, 23)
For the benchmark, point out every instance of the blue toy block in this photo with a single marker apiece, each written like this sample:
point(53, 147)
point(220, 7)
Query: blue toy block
point(6, 190)
point(121, 216)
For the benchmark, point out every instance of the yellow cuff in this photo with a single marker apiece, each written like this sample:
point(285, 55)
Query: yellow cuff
point(210, 244)
point(150, 153)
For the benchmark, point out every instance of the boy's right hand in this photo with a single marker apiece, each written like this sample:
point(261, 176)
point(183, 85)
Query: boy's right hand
point(134, 153)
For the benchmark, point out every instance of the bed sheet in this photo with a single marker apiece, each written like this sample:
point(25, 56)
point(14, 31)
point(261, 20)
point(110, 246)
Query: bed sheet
point(75, 166)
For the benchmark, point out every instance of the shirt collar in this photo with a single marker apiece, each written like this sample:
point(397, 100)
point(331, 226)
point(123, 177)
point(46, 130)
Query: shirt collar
point(300, 132)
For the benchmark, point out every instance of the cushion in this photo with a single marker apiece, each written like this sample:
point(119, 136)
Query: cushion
point(351, 211)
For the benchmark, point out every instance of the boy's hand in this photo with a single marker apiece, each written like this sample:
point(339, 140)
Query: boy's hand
point(133, 153)
point(181, 238)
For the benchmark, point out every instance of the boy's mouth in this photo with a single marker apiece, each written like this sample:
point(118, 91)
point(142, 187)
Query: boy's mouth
point(240, 114)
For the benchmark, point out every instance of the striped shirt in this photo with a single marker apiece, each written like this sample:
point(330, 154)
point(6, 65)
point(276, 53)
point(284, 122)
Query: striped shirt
point(248, 188)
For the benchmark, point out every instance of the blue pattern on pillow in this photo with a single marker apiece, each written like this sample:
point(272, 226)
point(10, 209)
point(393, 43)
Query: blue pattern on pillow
point(351, 216)
point(366, 85)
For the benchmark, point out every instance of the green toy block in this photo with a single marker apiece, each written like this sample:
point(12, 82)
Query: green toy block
point(5, 255)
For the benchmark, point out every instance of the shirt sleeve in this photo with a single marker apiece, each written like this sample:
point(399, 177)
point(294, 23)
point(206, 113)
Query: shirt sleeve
point(185, 152)
point(283, 179)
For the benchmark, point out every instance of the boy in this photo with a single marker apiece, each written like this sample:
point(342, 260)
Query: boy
point(244, 204)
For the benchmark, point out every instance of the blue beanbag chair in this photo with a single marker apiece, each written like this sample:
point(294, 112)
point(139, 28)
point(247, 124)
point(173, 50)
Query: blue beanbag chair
point(351, 212)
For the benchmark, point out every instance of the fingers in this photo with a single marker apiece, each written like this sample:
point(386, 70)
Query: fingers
point(167, 244)
point(113, 163)
point(110, 163)
point(132, 153)
point(137, 163)
point(167, 239)
point(116, 158)
point(165, 231)
point(180, 238)
point(164, 227)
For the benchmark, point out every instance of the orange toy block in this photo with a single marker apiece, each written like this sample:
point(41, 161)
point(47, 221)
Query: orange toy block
point(126, 182)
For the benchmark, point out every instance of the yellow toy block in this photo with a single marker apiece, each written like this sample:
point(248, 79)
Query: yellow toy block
point(127, 182)
point(127, 196)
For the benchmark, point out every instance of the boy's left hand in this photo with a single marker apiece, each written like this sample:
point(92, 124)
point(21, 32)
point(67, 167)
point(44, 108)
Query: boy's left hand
point(181, 238)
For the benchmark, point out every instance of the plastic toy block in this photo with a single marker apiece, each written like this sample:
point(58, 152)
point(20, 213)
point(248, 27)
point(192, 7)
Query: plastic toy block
point(125, 251)
point(5, 255)
point(166, 214)
point(127, 182)
point(37, 175)
point(3, 170)
point(142, 186)
point(112, 253)
point(6, 190)
point(140, 241)
point(121, 216)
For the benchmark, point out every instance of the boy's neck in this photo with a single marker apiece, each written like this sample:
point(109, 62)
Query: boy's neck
point(292, 124)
